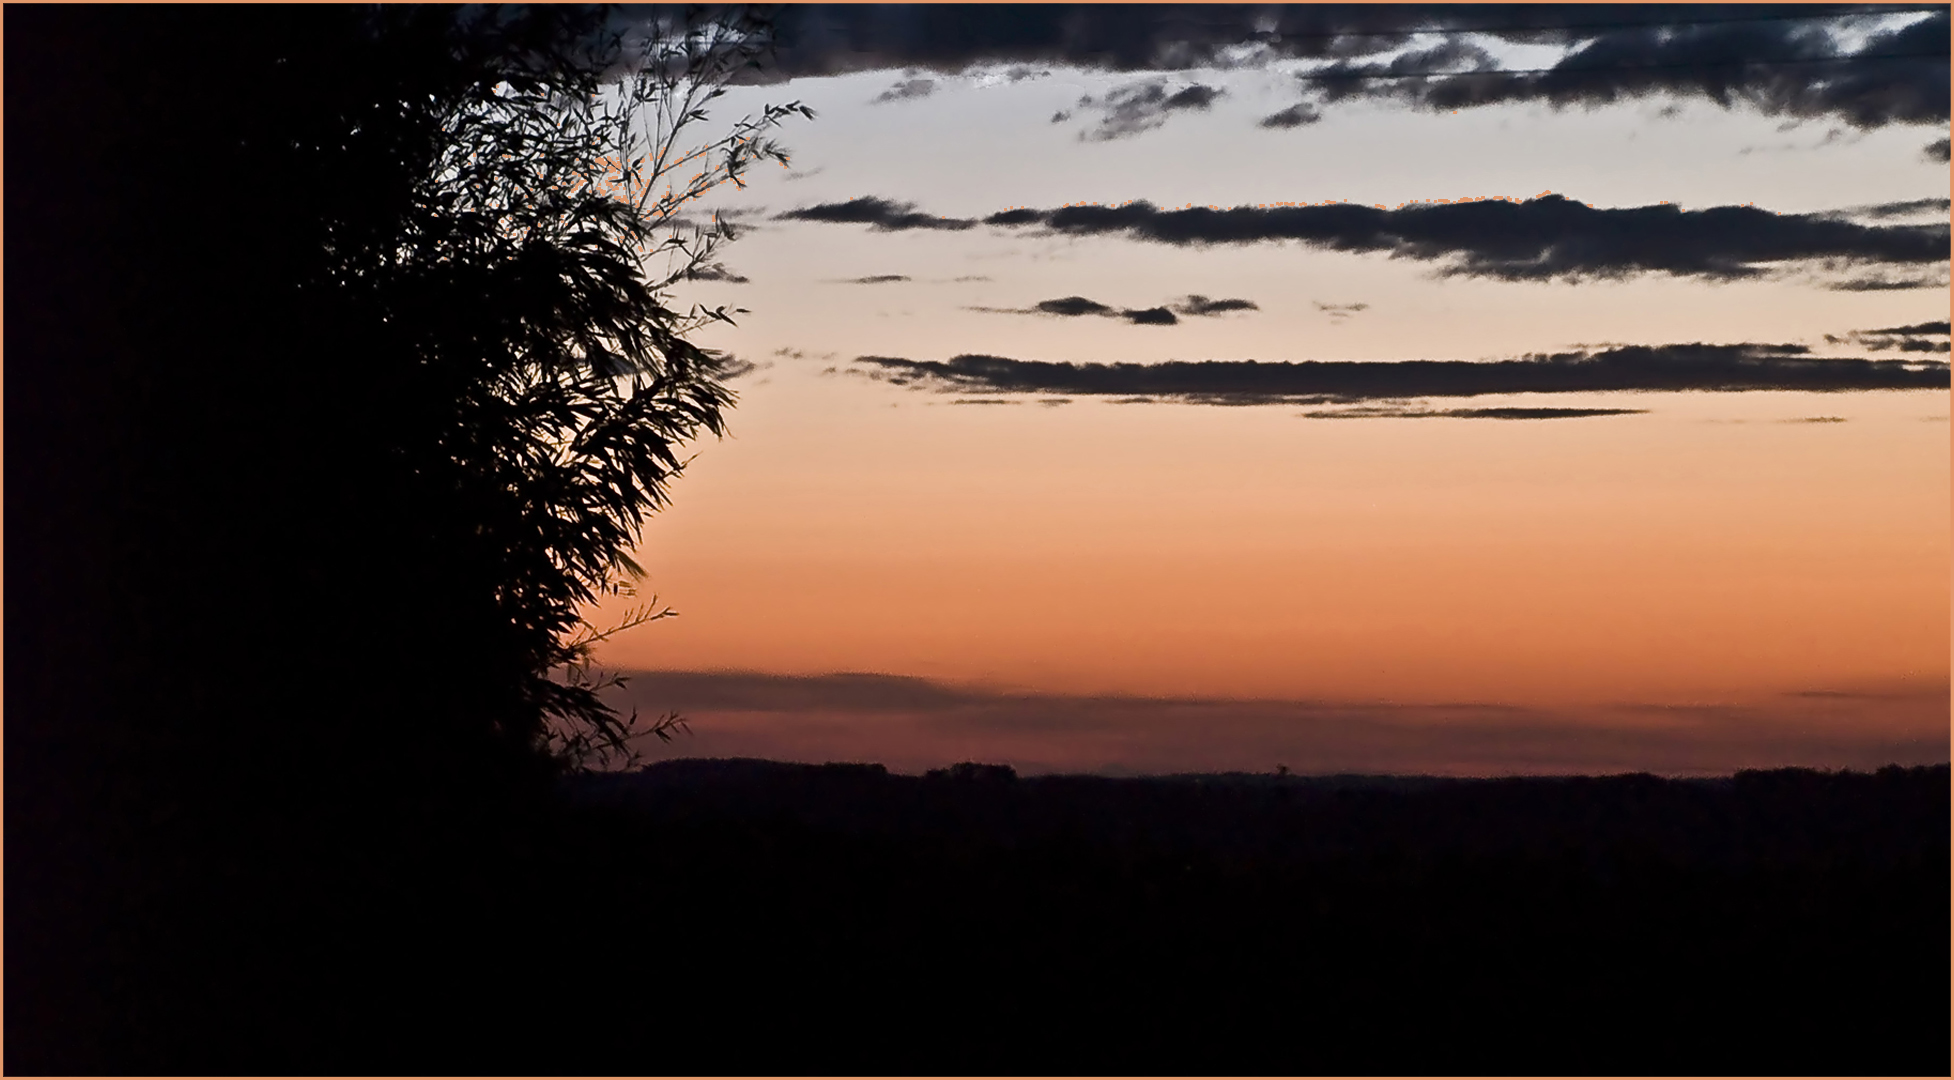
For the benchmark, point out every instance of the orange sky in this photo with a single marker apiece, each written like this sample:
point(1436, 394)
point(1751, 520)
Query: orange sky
point(1719, 545)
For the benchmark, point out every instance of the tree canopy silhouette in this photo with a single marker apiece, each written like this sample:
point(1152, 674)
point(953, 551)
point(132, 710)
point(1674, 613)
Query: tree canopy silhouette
point(518, 298)
point(344, 370)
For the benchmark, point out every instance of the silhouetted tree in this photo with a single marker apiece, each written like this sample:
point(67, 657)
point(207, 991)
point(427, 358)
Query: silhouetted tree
point(342, 374)
point(519, 298)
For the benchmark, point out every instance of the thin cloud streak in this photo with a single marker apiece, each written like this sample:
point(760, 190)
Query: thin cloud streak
point(1545, 238)
point(1727, 368)
point(1196, 304)
point(883, 214)
point(1887, 283)
point(1160, 315)
point(1387, 412)
point(1913, 339)
point(1541, 239)
point(1940, 328)
point(1907, 208)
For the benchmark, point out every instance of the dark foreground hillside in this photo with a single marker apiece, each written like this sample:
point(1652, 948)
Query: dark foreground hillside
point(740, 917)
point(778, 918)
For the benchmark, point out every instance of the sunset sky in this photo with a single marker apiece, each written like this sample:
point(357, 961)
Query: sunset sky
point(1662, 535)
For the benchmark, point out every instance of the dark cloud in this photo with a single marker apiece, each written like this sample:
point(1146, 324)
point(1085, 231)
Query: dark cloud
point(1888, 283)
point(832, 39)
point(1775, 58)
point(870, 210)
point(1397, 412)
point(911, 725)
point(1193, 97)
point(1917, 328)
point(1130, 110)
point(797, 354)
point(1549, 237)
point(1079, 305)
point(716, 272)
point(1936, 151)
point(876, 279)
point(1626, 368)
point(824, 39)
point(1074, 305)
point(1909, 208)
point(1789, 67)
point(1196, 304)
point(1537, 414)
point(1911, 339)
point(1015, 217)
point(1339, 312)
point(1544, 238)
point(906, 90)
point(1297, 115)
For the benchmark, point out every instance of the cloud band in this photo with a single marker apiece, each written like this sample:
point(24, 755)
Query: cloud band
point(1743, 367)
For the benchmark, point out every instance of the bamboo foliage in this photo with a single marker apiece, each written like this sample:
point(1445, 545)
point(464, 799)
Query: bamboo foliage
point(524, 297)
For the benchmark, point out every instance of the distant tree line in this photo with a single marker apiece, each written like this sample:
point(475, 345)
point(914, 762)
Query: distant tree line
point(1788, 921)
